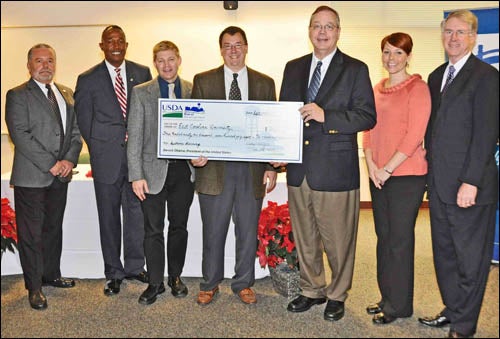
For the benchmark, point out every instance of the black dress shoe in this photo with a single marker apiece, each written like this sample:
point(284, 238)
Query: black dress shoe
point(438, 320)
point(334, 310)
point(374, 308)
point(179, 290)
point(112, 286)
point(37, 300)
point(303, 303)
point(142, 277)
point(59, 282)
point(149, 295)
point(381, 318)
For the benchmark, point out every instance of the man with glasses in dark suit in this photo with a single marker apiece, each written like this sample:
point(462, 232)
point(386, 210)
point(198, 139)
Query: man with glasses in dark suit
point(231, 189)
point(463, 177)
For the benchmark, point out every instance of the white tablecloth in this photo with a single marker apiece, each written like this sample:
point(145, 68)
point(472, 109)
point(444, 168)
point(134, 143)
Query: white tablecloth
point(82, 256)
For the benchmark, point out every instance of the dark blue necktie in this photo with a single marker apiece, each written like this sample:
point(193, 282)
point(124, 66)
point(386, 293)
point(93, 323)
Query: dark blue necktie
point(314, 85)
point(449, 78)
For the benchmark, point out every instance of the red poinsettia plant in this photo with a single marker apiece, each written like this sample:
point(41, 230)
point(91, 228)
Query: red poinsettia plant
point(275, 236)
point(9, 227)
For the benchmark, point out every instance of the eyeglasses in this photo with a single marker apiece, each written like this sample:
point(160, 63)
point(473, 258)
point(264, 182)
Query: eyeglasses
point(460, 33)
point(236, 46)
point(327, 27)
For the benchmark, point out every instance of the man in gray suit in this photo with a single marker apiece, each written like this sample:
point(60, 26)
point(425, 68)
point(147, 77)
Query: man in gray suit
point(41, 121)
point(156, 181)
point(227, 188)
point(101, 97)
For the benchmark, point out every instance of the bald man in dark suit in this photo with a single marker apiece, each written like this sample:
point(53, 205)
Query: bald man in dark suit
point(103, 124)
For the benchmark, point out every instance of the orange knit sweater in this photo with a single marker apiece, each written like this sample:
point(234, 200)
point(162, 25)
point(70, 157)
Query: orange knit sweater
point(402, 115)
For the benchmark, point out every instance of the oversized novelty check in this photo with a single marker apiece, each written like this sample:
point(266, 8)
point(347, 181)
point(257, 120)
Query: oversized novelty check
point(261, 131)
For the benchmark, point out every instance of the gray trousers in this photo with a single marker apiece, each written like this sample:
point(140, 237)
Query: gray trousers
point(238, 201)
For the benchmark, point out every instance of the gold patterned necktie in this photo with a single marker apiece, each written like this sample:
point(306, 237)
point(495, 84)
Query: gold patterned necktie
point(171, 91)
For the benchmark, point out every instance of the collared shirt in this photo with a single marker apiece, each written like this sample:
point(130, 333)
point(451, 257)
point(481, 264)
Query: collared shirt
point(242, 81)
point(60, 100)
point(164, 87)
point(326, 63)
point(458, 66)
point(112, 73)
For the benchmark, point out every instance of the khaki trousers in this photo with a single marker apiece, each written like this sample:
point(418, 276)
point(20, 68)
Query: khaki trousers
point(324, 222)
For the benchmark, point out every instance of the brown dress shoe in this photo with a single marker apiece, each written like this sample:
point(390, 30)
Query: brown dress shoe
point(247, 296)
point(206, 297)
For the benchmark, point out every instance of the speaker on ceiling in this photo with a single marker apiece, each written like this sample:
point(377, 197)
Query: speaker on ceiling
point(230, 5)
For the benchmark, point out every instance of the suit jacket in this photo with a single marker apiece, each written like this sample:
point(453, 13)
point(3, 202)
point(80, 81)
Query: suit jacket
point(34, 130)
point(463, 131)
point(142, 145)
point(210, 85)
point(100, 117)
point(330, 149)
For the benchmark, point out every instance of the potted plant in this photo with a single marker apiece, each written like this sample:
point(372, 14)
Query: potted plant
point(276, 248)
point(9, 227)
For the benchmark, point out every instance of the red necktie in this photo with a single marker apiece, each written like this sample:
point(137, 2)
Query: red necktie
point(120, 92)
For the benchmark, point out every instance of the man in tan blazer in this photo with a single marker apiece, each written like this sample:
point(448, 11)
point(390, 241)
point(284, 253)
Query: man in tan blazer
point(231, 189)
point(156, 181)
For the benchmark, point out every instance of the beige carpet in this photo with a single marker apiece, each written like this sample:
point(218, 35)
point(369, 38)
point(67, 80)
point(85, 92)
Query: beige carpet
point(85, 312)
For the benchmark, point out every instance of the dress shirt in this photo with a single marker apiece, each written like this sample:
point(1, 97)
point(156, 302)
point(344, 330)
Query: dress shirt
point(242, 81)
point(60, 100)
point(458, 66)
point(112, 73)
point(326, 63)
point(164, 87)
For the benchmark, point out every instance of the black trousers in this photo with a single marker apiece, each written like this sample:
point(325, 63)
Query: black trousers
point(177, 192)
point(120, 223)
point(395, 211)
point(462, 244)
point(39, 217)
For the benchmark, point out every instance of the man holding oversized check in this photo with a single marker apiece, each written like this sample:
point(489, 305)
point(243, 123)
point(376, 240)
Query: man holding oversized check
point(229, 188)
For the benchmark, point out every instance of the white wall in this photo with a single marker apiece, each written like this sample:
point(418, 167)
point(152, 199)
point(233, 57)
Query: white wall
point(276, 32)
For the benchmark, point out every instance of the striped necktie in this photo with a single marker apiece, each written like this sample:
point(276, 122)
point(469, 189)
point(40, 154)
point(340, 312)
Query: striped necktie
point(314, 85)
point(449, 78)
point(120, 92)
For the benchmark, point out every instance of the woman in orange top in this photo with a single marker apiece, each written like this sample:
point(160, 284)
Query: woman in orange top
point(397, 167)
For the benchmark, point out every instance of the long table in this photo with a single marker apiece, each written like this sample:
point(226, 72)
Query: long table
point(82, 255)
